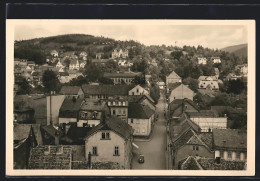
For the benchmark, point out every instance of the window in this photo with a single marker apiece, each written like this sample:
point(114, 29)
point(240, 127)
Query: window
point(82, 115)
point(221, 154)
point(116, 151)
point(114, 112)
point(133, 93)
point(105, 135)
point(229, 154)
point(109, 103)
point(238, 155)
point(137, 90)
point(123, 112)
point(132, 120)
point(94, 150)
point(123, 103)
point(114, 103)
point(195, 148)
point(119, 111)
point(119, 103)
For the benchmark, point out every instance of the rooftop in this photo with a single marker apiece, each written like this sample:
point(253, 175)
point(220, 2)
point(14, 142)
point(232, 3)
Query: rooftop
point(104, 89)
point(123, 75)
point(50, 157)
point(229, 139)
point(115, 124)
point(70, 90)
point(139, 111)
point(173, 75)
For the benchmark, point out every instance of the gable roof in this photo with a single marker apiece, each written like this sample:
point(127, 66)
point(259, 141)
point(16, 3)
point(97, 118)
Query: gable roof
point(22, 131)
point(138, 98)
point(105, 89)
point(115, 124)
point(40, 160)
point(139, 111)
point(229, 138)
point(173, 75)
point(70, 108)
point(176, 103)
point(70, 90)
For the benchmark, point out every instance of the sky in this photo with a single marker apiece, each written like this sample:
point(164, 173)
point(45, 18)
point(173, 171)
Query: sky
point(211, 36)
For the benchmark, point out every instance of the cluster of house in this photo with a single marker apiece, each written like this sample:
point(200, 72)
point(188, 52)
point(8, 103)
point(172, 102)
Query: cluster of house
point(200, 139)
point(204, 60)
point(85, 127)
point(240, 72)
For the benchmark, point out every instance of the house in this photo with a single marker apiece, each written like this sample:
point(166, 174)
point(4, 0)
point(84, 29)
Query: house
point(72, 91)
point(208, 82)
point(138, 90)
point(243, 69)
point(202, 60)
point(74, 74)
point(54, 103)
point(216, 72)
point(118, 53)
point(91, 113)
point(179, 106)
point(111, 140)
point(161, 84)
point(206, 95)
point(31, 64)
point(74, 64)
point(232, 76)
point(200, 163)
point(83, 55)
point(143, 99)
point(180, 91)
point(119, 78)
point(60, 65)
point(230, 144)
point(208, 120)
point(100, 61)
point(154, 63)
point(25, 137)
point(118, 107)
point(215, 60)
point(99, 55)
point(105, 91)
point(69, 111)
point(140, 118)
point(35, 102)
point(54, 53)
point(186, 139)
point(173, 78)
point(82, 63)
point(64, 77)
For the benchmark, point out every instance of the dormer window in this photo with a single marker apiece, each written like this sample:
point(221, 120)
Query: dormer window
point(123, 103)
point(137, 90)
point(109, 103)
point(114, 103)
point(119, 103)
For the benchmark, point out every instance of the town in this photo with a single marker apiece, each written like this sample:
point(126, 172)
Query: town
point(86, 102)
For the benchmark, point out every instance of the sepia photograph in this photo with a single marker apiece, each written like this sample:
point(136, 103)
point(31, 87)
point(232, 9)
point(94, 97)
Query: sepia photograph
point(130, 97)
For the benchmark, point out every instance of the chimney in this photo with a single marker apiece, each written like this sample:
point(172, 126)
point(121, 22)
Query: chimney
point(57, 138)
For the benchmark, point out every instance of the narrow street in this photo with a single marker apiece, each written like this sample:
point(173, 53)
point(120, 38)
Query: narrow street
point(154, 149)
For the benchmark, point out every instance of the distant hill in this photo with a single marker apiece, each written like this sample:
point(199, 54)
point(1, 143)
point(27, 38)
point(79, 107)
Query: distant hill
point(239, 50)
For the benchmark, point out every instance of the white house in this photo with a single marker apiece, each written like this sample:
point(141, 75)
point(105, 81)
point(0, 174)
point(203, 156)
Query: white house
point(215, 60)
point(138, 90)
point(202, 60)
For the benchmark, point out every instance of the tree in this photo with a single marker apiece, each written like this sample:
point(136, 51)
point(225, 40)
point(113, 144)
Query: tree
point(105, 80)
point(176, 54)
point(24, 87)
point(80, 80)
point(155, 93)
point(93, 72)
point(193, 83)
point(235, 86)
point(50, 81)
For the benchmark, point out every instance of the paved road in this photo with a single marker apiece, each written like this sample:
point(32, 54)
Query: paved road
point(153, 150)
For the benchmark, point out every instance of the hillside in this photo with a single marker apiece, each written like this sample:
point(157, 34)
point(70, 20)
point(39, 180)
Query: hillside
point(239, 50)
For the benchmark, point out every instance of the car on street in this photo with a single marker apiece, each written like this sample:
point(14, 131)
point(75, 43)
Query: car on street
point(141, 158)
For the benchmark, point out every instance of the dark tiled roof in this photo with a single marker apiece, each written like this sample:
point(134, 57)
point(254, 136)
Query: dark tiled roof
point(210, 164)
point(50, 130)
point(21, 131)
point(183, 139)
point(77, 134)
point(139, 111)
point(137, 98)
point(207, 138)
point(40, 160)
point(180, 102)
point(229, 138)
point(69, 108)
point(106, 89)
point(115, 124)
point(70, 90)
point(123, 75)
